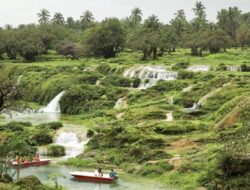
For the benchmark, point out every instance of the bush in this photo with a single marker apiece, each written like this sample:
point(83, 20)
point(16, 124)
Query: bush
point(136, 82)
point(167, 86)
point(181, 65)
point(155, 169)
point(28, 182)
point(244, 67)
point(116, 80)
point(15, 126)
point(183, 74)
point(56, 150)
point(90, 133)
point(42, 137)
point(52, 125)
point(221, 67)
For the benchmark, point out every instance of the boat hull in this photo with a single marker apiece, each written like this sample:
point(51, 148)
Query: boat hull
point(32, 164)
point(91, 178)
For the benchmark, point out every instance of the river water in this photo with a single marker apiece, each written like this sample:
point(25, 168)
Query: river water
point(126, 182)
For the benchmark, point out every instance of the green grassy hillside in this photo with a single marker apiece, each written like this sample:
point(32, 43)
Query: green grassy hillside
point(188, 152)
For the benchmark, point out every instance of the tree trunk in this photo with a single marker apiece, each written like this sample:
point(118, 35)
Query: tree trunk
point(155, 53)
point(145, 54)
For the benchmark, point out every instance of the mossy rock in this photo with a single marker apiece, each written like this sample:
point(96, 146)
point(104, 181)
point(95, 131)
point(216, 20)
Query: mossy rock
point(29, 181)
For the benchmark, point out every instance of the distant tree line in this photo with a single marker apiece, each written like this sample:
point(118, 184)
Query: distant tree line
point(87, 37)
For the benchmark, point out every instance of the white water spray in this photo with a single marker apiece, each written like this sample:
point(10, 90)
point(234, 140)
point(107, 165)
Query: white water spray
point(198, 68)
point(53, 106)
point(121, 103)
point(169, 116)
point(149, 75)
point(74, 146)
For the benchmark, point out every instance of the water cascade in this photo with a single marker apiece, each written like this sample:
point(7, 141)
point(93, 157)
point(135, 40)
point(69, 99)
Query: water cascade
point(171, 100)
point(194, 108)
point(74, 146)
point(169, 116)
point(149, 75)
point(198, 68)
point(121, 103)
point(53, 106)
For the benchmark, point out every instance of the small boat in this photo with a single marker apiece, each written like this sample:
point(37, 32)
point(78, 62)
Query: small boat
point(42, 162)
point(90, 176)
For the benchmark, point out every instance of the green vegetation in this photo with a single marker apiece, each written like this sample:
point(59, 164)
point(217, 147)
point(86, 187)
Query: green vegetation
point(204, 146)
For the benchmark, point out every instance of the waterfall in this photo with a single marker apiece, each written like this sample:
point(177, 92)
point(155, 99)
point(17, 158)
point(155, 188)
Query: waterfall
point(121, 103)
point(198, 68)
point(74, 146)
point(171, 100)
point(195, 107)
point(169, 116)
point(149, 75)
point(53, 106)
point(19, 79)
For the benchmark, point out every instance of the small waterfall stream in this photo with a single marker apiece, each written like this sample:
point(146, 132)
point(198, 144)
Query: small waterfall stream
point(169, 116)
point(121, 103)
point(53, 106)
point(149, 75)
point(72, 143)
point(198, 68)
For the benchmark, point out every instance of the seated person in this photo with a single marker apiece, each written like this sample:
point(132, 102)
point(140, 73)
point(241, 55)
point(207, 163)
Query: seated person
point(113, 174)
point(100, 172)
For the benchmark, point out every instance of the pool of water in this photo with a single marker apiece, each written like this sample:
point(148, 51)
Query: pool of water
point(125, 182)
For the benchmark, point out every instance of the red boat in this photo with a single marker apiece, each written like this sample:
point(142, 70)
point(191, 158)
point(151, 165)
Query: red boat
point(89, 176)
point(42, 162)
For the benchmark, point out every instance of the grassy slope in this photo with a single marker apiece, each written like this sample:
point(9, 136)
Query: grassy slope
point(193, 150)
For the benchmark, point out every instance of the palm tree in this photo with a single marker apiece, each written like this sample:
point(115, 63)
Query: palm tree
point(87, 19)
point(43, 16)
point(199, 10)
point(136, 13)
point(70, 22)
point(152, 22)
point(58, 19)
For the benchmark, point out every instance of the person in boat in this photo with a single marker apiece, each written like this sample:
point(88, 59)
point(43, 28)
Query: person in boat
point(113, 174)
point(37, 158)
point(98, 172)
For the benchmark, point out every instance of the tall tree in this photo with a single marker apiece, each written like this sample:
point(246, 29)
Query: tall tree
point(44, 16)
point(87, 20)
point(229, 21)
point(58, 19)
point(179, 24)
point(243, 36)
point(70, 22)
point(200, 21)
point(135, 17)
point(105, 40)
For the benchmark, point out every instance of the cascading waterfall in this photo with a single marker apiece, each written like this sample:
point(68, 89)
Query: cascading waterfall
point(53, 106)
point(198, 68)
point(149, 75)
point(74, 146)
point(171, 100)
point(169, 116)
point(121, 103)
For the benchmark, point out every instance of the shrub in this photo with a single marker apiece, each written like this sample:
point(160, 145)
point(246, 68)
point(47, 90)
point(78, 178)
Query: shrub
point(244, 67)
point(136, 82)
point(15, 126)
point(52, 125)
point(181, 65)
point(222, 67)
point(56, 150)
point(42, 137)
point(183, 74)
point(166, 86)
point(116, 80)
point(155, 169)
point(90, 133)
